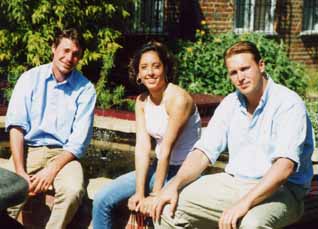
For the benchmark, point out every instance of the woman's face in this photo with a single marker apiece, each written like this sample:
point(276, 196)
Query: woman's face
point(151, 71)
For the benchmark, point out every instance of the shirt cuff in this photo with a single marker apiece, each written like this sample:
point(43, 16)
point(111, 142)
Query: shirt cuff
point(78, 152)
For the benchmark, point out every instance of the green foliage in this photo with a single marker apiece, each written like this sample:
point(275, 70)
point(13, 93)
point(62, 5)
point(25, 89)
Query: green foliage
point(201, 66)
point(312, 108)
point(27, 29)
point(312, 89)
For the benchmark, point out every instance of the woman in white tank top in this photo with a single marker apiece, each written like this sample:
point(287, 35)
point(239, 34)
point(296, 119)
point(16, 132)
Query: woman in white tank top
point(166, 113)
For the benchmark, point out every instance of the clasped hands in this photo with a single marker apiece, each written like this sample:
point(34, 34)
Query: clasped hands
point(153, 204)
point(40, 181)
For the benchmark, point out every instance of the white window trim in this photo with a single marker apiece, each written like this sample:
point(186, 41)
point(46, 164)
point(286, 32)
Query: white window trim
point(138, 23)
point(307, 32)
point(270, 24)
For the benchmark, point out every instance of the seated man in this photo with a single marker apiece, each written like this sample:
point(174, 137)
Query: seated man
point(13, 190)
point(269, 137)
point(50, 118)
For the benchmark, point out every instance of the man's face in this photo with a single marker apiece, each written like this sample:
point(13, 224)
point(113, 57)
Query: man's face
point(65, 57)
point(246, 75)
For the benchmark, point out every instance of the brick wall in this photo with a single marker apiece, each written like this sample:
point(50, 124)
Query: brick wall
point(288, 24)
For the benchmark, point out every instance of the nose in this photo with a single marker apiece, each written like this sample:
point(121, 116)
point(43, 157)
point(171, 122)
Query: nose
point(69, 56)
point(240, 76)
point(150, 71)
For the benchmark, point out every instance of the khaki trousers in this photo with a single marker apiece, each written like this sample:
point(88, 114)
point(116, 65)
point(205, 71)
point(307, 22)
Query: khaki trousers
point(202, 203)
point(68, 185)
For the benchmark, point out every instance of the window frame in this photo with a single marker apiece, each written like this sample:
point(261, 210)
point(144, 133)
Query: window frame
point(249, 13)
point(155, 11)
point(309, 21)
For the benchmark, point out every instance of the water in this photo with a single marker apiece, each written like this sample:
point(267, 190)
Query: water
point(101, 160)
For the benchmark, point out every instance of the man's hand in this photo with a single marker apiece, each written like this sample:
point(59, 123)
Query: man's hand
point(230, 217)
point(167, 195)
point(42, 180)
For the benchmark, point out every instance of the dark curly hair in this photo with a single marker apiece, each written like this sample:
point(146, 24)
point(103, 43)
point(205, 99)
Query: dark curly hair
point(164, 54)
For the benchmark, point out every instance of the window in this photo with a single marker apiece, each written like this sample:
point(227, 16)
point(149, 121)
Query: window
point(254, 15)
point(310, 17)
point(148, 17)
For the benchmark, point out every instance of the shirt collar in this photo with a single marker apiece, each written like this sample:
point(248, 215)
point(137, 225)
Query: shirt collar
point(264, 98)
point(70, 80)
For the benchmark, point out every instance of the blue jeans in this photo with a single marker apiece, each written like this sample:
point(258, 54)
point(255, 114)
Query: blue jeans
point(119, 190)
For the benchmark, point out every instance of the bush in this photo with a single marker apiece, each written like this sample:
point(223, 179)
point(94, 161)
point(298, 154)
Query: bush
point(27, 28)
point(201, 66)
point(312, 109)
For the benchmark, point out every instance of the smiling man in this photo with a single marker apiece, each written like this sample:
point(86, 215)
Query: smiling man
point(269, 137)
point(49, 119)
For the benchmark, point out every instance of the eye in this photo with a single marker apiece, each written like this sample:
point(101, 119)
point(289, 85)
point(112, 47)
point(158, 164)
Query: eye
point(77, 54)
point(232, 73)
point(245, 68)
point(157, 66)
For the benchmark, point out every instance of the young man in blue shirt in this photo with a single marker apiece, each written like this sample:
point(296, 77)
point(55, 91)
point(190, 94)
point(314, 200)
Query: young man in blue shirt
point(50, 118)
point(269, 137)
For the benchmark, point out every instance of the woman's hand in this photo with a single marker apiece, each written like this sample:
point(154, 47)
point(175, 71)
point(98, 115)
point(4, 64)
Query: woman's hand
point(145, 206)
point(134, 202)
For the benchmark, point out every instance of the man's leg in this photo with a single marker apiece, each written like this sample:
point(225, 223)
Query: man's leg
point(69, 190)
point(283, 208)
point(201, 203)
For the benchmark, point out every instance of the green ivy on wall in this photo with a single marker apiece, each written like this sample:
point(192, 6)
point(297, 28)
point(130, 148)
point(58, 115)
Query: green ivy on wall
point(27, 28)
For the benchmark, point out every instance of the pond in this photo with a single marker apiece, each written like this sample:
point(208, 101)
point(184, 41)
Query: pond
point(101, 160)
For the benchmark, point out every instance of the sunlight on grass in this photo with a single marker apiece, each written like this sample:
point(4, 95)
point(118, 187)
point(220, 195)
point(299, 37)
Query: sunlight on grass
point(312, 89)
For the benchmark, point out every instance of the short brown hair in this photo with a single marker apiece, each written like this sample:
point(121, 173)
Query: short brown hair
point(70, 33)
point(243, 47)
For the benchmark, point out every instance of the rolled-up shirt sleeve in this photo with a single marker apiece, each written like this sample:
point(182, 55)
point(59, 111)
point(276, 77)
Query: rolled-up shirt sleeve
point(213, 140)
point(19, 105)
point(291, 129)
point(83, 124)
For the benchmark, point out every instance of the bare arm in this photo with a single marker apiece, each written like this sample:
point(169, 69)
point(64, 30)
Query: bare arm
point(179, 109)
point(17, 150)
point(142, 155)
point(273, 179)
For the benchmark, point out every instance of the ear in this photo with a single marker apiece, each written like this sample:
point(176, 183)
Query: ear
point(53, 48)
point(261, 65)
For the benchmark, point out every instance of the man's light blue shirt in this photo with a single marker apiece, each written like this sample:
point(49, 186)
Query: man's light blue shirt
point(279, 127)
point(53, 113)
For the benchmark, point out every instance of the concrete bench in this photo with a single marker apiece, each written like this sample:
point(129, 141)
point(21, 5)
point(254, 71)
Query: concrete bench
point(37, 210)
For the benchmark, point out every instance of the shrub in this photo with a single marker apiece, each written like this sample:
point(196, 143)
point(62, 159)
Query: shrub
point(312, 108)
point(201, 66)
point(27, 27)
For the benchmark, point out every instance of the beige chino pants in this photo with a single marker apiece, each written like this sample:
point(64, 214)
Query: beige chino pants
point(68, 185)
point(202, 203)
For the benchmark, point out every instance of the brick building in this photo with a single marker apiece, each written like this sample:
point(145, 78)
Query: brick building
point(294, 21)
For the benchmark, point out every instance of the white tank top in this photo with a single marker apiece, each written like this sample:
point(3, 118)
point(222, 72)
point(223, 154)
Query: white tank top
point(157, 123)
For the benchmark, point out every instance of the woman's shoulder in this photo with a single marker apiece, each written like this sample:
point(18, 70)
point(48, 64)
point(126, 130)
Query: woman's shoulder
point(175, 92)
point(177, 96)
point(141, 99)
